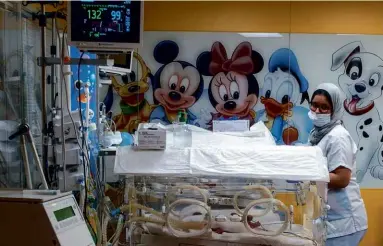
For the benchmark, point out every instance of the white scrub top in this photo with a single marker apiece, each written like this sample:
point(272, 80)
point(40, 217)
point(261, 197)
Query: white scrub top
point(347, 211)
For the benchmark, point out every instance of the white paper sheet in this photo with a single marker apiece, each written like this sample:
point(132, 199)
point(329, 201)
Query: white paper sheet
point(250, 154)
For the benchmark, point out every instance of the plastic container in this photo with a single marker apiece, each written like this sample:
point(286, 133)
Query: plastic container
point(182, 135)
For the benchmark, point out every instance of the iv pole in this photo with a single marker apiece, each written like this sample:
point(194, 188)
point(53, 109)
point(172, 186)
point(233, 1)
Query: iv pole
point(42, 23)
point(42, 17)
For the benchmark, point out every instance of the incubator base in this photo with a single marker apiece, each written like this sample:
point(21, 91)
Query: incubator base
point(226, 239)
point(212, 211)
point(248, 192)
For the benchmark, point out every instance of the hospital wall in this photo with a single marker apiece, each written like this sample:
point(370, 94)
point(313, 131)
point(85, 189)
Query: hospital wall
point(295, 17)
point(281, 17)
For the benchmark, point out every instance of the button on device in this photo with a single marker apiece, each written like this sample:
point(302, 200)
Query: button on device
point(66, 223)
point(235, 218)
point(220, 218)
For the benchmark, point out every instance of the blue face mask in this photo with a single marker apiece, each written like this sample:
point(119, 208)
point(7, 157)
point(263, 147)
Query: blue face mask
point(319, 120)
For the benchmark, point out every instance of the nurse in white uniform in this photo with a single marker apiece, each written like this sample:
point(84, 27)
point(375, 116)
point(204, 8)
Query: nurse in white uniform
point(347, 215)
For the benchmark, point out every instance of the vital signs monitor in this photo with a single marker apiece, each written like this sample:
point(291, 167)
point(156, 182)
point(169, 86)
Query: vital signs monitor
point(105, 25)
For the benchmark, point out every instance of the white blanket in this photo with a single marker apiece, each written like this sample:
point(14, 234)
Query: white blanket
point(251, 154)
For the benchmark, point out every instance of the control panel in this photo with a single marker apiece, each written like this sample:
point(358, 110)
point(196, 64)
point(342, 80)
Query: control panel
point(63, 213)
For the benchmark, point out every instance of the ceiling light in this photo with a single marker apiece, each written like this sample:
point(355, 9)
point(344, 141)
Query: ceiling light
point(348, 34)
point(261, 35)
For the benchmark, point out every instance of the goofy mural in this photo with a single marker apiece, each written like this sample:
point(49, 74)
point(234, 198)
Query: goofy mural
point(284, 87)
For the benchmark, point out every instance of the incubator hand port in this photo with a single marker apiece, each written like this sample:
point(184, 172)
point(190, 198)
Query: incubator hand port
point(185, 207)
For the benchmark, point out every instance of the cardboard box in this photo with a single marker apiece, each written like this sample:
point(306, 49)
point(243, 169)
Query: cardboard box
point(151, 136)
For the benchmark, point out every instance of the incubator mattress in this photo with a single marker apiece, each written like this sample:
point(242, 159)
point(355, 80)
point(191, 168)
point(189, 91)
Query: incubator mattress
point(250, 155)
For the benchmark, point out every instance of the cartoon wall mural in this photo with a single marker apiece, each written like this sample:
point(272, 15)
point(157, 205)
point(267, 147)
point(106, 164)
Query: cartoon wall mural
point(134, 107)
point(86, 73)
point(284, 88)
point(233, 89)
point(177, 85)
point(216, 76)
point(362, 83)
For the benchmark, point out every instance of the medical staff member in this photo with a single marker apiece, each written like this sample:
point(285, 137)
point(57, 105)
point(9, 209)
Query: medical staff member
point(347, 215)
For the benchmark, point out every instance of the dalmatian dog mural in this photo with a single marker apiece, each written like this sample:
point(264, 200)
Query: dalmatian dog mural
point(284, 89)
point(362, 83)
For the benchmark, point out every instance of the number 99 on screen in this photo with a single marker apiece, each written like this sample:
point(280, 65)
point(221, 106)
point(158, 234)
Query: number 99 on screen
point(96, 14)
point(116, 15)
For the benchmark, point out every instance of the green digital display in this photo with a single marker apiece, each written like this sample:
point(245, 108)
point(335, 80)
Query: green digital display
point(64, 213)
point(94, 14)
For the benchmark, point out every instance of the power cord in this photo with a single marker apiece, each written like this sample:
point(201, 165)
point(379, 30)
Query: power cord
point(84, 143)
point(82, 135)
point(61, 43)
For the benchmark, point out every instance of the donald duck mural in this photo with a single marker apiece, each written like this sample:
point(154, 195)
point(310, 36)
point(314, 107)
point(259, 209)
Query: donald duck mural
point(284, 90)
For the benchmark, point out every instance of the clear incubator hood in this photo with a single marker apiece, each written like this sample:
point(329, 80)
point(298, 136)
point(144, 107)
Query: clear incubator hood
point(226, 188)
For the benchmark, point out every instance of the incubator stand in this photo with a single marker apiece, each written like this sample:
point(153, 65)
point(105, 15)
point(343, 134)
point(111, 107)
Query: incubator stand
point(176, 197)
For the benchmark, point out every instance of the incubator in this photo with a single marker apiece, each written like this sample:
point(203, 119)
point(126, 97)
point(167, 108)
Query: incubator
point(227, 188)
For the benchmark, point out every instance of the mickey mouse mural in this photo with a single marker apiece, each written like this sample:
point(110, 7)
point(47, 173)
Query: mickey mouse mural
point(233, 90)
point(176, 85)
point(284, 87)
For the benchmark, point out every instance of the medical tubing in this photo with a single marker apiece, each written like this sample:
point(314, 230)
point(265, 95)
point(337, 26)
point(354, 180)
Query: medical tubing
point(99, 231)
point(317, 208)
point(159, 217)
point(139, 206)
point(206, 225)
point(120, 227)
point(190, 225)
point(191, 187)
point(106, 220)
point(82, 197)
point(272, 201)
point(264, 191)
point(113, 124)
point(154, 220)
point(116, 236)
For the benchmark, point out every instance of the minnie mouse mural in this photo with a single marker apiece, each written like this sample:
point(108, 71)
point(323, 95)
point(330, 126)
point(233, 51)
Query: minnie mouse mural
point(233, 90)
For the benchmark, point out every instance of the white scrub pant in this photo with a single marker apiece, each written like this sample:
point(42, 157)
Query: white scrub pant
point(348, 240)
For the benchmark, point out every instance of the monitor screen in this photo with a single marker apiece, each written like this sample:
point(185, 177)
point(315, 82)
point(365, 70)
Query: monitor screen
point(105, 21)
point(64, 213)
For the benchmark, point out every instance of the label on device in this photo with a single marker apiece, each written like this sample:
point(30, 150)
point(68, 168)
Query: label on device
point(231, 125)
